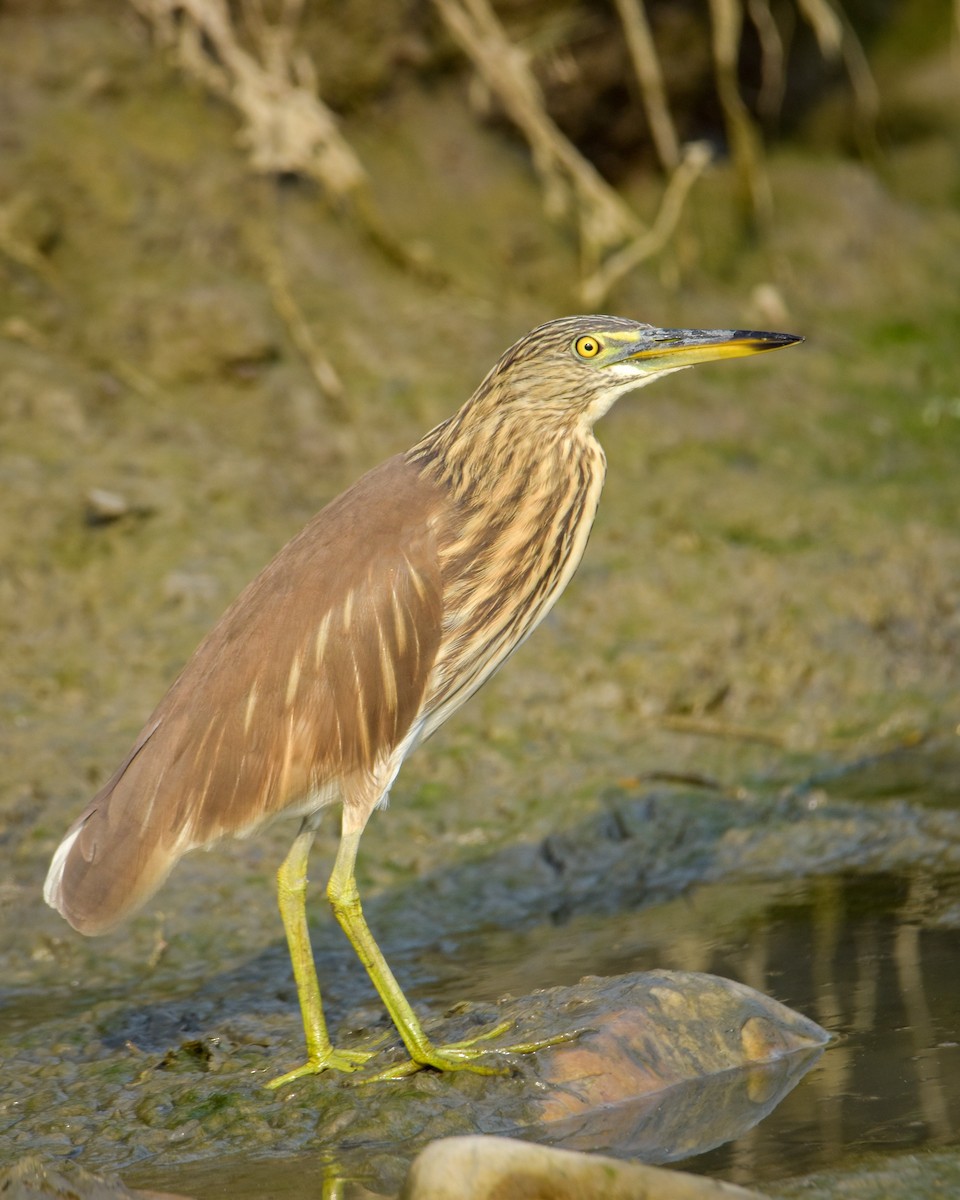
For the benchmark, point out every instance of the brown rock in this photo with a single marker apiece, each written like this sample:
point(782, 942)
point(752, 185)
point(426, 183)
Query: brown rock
point(495, 1168)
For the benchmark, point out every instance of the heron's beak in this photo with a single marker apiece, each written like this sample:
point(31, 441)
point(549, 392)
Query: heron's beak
point(675, 348)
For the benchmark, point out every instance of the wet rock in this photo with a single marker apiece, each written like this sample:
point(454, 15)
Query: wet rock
point(490, 1168)
point(726, 1054)
point(664, 1065)
point(104, 507)
point(625, 1039)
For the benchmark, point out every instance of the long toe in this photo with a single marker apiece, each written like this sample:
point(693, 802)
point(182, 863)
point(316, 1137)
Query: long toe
point(331, 1060)
point(444, 1058)
point(468, 1056)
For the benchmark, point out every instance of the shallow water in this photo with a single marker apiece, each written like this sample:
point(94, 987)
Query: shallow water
point(741, 887)
point(873, 958)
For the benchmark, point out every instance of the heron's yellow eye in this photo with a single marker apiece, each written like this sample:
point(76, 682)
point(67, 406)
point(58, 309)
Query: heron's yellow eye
point(587, 347)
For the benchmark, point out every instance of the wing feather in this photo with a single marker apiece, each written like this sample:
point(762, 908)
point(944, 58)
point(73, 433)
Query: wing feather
point(305, 687)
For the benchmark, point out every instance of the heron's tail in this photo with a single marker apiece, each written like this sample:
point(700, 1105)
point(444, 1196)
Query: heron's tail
point(113, 857)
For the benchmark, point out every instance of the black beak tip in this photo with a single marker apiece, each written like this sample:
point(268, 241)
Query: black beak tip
point(768, 341)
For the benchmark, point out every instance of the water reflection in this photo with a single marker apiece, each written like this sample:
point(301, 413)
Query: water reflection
point(872, 958)
point(673, 1125)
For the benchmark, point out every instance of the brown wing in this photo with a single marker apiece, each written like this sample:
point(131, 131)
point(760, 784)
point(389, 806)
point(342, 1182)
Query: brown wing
point(304, 688)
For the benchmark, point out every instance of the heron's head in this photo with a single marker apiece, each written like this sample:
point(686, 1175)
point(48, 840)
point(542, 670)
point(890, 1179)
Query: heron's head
point(580, 365)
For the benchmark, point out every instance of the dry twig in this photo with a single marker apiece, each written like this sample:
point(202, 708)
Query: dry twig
point(772, 74)
point(604, 219)
point(696, 157)
point(325, 376)
point(704, 727)
point(16, 245)
point(837, 40)
point(288, 127)
point(646, 65)
point(726, 19)
point(607, 225)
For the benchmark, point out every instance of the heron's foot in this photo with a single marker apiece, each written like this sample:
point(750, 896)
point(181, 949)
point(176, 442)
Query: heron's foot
point(467, 1056)
point(327, 1060)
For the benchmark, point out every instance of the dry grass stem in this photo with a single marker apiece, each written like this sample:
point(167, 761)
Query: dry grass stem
point(865, 92)
point(826, 25)
point(696, 157)
point(726, 20)
point(604, 218)
point(613, 239)
point(325, 376)
point(703, 727)
point(646, 65)
point(16, 246)
point(772, 64)
point(837, 40)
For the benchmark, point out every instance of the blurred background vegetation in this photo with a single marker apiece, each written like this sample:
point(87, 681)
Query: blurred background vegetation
point(248, 250)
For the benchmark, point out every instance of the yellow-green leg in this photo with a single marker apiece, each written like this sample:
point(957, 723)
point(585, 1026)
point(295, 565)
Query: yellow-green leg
point(291, 897)
point(456, 1056)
